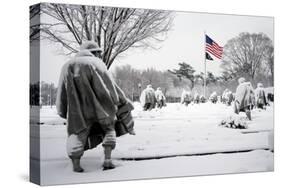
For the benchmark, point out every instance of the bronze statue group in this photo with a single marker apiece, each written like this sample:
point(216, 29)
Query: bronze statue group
point(97, 110)
point(150, 98)
point(244, 99)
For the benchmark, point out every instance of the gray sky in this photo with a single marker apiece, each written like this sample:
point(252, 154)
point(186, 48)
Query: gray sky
point(185, 42)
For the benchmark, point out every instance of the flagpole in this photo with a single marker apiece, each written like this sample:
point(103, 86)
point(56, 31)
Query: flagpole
point(205, 76)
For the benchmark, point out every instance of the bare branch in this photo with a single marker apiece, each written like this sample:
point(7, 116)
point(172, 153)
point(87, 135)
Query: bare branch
point(116, 30)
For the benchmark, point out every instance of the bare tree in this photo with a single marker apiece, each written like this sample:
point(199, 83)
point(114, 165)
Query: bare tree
point(34, 17)
point(244, 54)
point(114, 29)
point(270, 62)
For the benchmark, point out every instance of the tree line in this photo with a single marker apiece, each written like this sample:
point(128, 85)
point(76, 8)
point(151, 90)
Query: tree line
point(172, 82)
point(42, 93)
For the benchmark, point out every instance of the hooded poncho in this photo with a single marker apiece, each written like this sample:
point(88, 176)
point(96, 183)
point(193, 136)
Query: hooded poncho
point(88, 95)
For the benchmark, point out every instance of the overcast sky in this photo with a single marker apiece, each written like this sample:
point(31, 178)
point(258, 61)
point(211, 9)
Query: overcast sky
point(184, 43)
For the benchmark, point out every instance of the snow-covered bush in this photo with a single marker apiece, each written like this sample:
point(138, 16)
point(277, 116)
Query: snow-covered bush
point(235, 122)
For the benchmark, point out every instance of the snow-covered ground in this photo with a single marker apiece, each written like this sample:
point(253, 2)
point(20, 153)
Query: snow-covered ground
point(173, 141)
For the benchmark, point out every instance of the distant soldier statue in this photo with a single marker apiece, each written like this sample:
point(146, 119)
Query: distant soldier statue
point(160, 98)
point(214, 97)
point(147, 98)
point(223, 97)
point(260, 96)
point(244, 97)
point(186, 97)
point(96, 109)
point(196, 98)
point(270, 97)
point(228, 97)
point(202, 99)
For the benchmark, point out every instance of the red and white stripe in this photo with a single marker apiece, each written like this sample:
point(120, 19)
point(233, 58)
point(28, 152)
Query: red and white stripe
point(215, 50)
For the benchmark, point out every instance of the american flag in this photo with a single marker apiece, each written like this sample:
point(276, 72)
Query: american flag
point(213, 48)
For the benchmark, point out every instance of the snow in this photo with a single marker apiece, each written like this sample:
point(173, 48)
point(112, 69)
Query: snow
point(172, 141)
point(59, 172)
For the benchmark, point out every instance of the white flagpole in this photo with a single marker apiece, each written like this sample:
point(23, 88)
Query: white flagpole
point(205, 76)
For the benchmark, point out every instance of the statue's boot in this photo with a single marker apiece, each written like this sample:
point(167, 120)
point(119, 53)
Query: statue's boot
point(76, 165)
